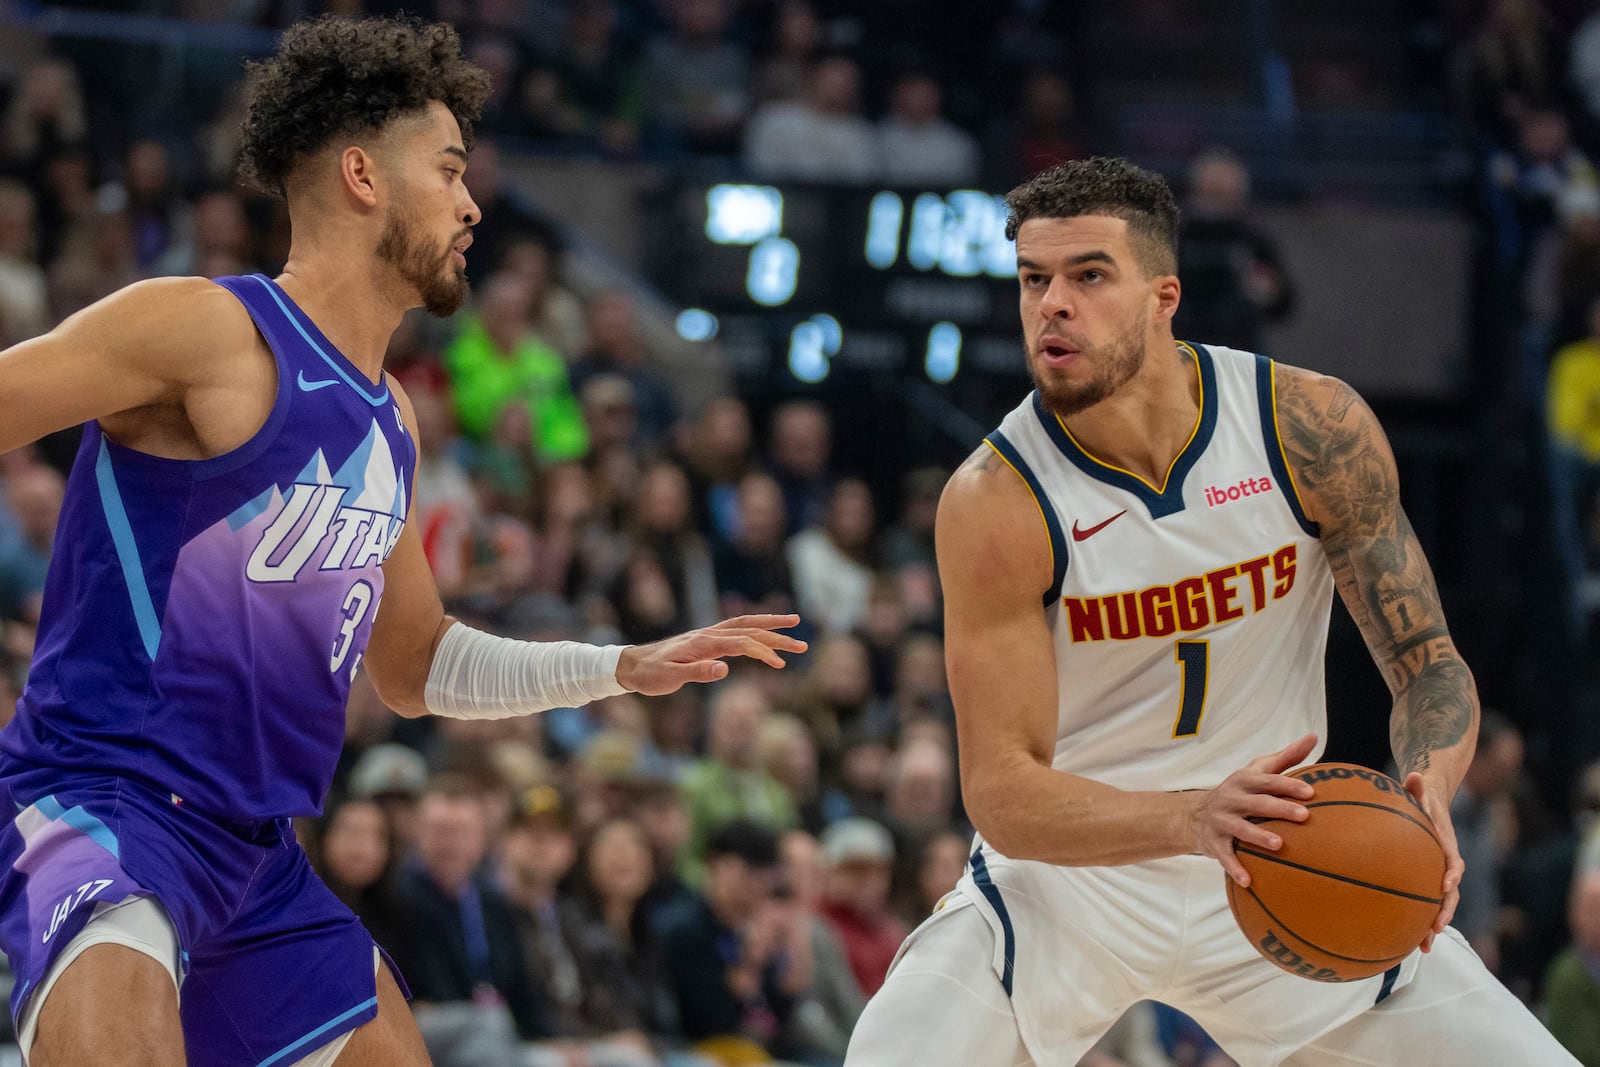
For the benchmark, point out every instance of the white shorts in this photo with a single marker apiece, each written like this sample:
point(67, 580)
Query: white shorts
point(1029, 963)
point(139, 923)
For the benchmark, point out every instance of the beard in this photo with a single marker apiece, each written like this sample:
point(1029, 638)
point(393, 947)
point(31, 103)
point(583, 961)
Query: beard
point(404, 243)
point(1114, 364)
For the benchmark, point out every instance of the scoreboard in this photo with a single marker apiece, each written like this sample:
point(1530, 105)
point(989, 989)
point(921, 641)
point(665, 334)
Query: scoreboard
point(818, 281)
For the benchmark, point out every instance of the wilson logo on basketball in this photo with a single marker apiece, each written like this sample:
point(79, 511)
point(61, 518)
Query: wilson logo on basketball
point(1218, 495)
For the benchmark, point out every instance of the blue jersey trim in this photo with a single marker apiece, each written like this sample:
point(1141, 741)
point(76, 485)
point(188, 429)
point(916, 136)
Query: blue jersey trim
point(1052, 525)
point(299, 1043)
point(333, 365)
point(1166, 499)
point(144, 609)
point(81, 821)
point(1267, 401)
point(991, 893)
point(1389, 978)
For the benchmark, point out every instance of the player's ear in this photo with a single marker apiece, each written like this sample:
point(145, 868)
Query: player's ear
point(1168, 291)
point(358, 175)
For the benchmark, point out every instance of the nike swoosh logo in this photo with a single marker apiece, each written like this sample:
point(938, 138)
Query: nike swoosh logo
point(1084, 535)
point(311, 387)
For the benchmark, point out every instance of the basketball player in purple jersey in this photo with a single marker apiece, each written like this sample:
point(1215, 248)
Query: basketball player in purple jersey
point(234, 547)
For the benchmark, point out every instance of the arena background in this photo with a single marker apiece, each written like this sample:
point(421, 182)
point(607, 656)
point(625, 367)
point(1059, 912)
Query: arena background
point(1421, 177)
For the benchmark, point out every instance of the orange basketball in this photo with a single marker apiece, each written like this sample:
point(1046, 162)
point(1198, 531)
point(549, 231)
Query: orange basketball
point(1355, 887)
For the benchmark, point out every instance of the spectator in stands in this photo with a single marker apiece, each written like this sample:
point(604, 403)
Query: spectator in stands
point(32, 496)
point(46, 113)
point(789, 753)
point(357, 856)
point(793, 44)
point(834, 696)
point(738, 957)
point(1571, 1005)
point(717, 450)
point(617, 348)
point(827, 1011)
point(24, 296)
point(1572, 413)
point(939, 865)
point(97, 258)
point(496, 363)
point(1510, 64)
point(514, 219)
point(1485, 830)
point(148, 192)
point(1234, 280)
point(218, 242)
point(921, 797)
point(799, 450)
point(907, 545)
point(917, 145)
point(1041, 134)
point(921, 690)
point(556, 314)
point(820, 137)
point(730, 782)
point(589, 93)
point(661, 522)
point(1537, 885)
point(831, 563)
point(625, 992)
point(472, 993)
point(860, 855)
point(752, 567)
point(697, 80)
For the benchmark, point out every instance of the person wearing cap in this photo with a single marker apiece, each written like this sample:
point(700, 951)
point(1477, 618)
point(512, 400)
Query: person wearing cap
point(860, 857)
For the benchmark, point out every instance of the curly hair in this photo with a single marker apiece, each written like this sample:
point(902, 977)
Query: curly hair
point(1104, 186)
point(338, 76)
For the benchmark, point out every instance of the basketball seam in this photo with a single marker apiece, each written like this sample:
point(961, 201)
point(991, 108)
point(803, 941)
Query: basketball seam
point(1336, 877)
point(1428, 829)
point(1326, 952)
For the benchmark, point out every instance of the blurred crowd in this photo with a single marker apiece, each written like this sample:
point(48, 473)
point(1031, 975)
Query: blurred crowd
point(722, 876)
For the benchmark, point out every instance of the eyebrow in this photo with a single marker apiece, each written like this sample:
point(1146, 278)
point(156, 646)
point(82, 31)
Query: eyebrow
point(1096, 256)
point(454, 150)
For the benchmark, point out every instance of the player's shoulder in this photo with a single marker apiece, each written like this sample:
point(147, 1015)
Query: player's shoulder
point(1314, 406)
point(173, 312)
point(988, 512)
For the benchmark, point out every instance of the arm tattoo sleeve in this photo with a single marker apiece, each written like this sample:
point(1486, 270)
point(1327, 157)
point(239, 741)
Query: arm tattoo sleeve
point(1346, 472)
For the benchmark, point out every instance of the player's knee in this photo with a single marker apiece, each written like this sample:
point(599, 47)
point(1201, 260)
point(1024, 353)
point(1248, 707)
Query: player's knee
point(113, 1004)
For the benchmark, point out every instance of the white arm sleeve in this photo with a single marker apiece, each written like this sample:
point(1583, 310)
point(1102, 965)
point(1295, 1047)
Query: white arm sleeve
point(480, 676)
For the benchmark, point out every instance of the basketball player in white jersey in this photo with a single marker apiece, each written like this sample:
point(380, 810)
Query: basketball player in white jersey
point(1138, 568)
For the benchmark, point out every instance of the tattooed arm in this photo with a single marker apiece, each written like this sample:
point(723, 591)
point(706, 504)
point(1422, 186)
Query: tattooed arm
point(1345, 474)
point(995, 566)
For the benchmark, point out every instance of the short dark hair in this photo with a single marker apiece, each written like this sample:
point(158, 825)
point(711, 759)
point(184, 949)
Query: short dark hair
point(1104, 185)
point(745, 840)
point(338, 76)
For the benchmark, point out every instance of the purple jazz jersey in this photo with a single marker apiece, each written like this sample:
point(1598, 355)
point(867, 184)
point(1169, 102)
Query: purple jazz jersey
point(203, 620)
point(272, 965)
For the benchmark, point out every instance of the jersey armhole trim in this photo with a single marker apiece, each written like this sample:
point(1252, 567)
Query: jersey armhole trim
point(1052, 526)
point(1272, 437)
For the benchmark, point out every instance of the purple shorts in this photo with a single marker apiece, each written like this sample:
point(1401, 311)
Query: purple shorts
point(274, 965)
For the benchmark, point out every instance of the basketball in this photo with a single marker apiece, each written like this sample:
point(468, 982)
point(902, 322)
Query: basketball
point(1354, 889)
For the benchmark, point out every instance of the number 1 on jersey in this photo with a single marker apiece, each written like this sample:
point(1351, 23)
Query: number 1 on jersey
point(1194, 662)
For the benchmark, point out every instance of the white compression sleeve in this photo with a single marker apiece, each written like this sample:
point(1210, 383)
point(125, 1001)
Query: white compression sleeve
point(480, 676)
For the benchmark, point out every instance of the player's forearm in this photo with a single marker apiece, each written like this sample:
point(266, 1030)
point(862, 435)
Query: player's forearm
point(1433, 728)
point(1031, 811)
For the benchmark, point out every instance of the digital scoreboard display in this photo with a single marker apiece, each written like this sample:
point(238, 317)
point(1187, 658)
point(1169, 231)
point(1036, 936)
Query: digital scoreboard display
point(819, 279)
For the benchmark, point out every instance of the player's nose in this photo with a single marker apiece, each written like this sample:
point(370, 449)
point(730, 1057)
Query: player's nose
point(1057, 300)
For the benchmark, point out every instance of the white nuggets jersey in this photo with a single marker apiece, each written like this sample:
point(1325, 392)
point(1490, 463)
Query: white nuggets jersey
point(1190, 619)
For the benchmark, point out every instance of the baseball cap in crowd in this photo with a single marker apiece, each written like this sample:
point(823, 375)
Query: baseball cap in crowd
point(857, 840)
point(389, 769)
point(541, 803)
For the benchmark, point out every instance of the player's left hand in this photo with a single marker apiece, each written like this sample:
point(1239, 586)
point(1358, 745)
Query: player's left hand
point(1434, 796)
point(697, 656)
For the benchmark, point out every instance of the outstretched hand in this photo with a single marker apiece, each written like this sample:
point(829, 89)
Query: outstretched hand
point(1260, 790)
point(1431, 794)
point(698, 656)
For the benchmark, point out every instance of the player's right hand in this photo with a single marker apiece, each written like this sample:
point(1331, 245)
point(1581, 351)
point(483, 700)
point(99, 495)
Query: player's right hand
point(1259, 790)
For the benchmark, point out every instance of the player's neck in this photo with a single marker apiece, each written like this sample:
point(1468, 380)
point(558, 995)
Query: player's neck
point(1146, 423)
point(353, 308)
